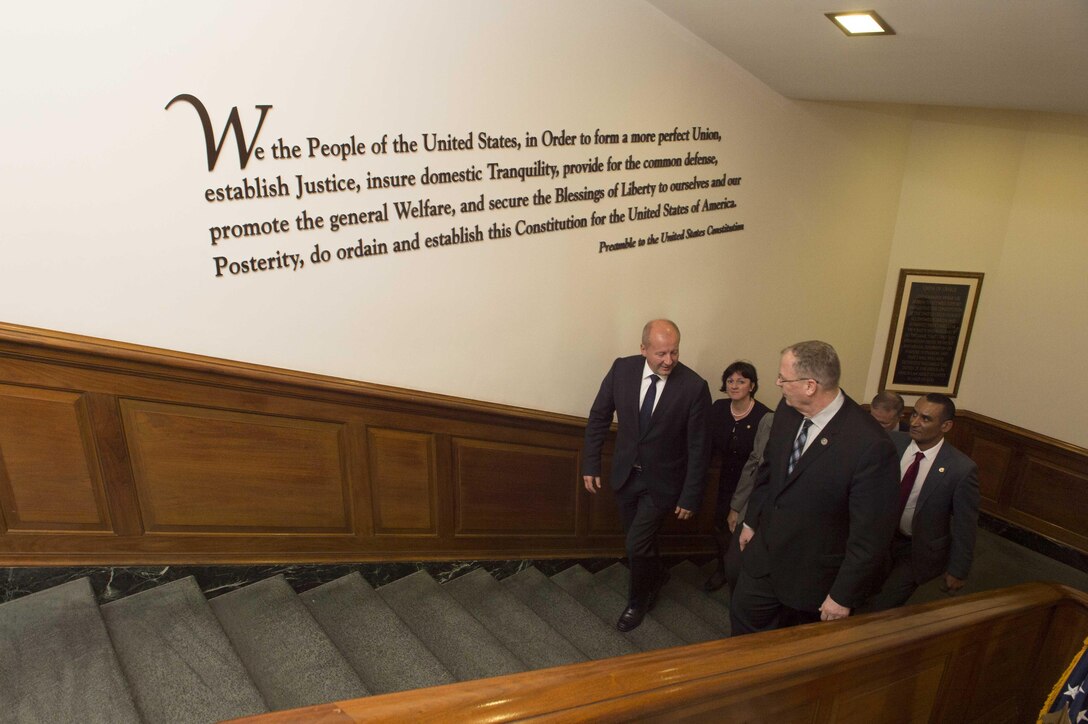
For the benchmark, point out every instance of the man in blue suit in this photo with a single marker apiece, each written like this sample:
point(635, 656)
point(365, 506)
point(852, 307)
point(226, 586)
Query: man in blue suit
point(939, 503)
point(660, 458)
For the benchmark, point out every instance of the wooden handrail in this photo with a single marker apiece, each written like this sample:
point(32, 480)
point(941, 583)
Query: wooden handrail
point(946, 660)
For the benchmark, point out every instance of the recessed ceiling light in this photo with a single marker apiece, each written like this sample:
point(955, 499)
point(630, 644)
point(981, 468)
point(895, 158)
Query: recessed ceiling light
point(860, 22)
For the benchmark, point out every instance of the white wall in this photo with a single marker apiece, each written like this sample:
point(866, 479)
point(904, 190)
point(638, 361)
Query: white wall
point(107, 230)
point(1005, 194)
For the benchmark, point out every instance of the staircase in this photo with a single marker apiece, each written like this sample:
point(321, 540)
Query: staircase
point(171, 655)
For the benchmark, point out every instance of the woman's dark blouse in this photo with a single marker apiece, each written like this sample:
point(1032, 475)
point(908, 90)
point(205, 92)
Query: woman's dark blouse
point(733, 441)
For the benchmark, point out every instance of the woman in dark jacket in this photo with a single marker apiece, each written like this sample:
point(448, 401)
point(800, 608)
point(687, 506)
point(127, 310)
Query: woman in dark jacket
point(733, 423)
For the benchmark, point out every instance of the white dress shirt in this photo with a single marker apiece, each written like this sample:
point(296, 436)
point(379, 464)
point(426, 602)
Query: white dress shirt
point(907, 519)
point(820, 420)
point(646, 372)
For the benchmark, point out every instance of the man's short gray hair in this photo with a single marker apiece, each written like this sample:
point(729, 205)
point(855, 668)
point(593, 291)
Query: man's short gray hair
point(888, 401)
point(816, 360)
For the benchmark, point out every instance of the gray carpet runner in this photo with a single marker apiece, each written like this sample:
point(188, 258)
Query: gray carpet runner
point(178, 661)
point(58, 664)
point(377, 642)
point(286, 652)
point(170, 655)
point(598, 597)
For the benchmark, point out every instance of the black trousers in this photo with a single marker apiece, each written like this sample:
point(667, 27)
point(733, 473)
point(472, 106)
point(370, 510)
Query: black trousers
point(755, 607)
point(899, 583)
point(642, 519)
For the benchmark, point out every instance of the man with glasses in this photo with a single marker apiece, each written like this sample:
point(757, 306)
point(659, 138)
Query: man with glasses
point(823, 508)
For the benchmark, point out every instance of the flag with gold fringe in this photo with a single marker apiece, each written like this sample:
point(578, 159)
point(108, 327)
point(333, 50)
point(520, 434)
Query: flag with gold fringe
point(1068, 702)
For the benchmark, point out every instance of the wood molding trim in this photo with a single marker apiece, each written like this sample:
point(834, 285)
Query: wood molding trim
point(993, 655)
point(119, 454)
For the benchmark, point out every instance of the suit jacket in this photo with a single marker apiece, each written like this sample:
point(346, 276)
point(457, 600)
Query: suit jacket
point(747, 480)
point(823, 529)
point(673, 451)
point(946, 515)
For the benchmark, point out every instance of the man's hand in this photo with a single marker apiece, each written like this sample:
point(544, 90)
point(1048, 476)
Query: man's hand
point(831, 611)
point(591, 481)
point(952, 584)
point(731, 520)
point(683, 514)
point(746, 534)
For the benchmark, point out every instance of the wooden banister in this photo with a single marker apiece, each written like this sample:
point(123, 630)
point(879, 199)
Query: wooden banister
point(990, 654)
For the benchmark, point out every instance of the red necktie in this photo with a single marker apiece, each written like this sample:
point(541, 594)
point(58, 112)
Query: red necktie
point(908, 480)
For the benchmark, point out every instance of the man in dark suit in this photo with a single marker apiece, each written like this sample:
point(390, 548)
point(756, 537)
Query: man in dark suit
point(660, 458)
point(887, 409)
point(823, 508)
point(939, 502)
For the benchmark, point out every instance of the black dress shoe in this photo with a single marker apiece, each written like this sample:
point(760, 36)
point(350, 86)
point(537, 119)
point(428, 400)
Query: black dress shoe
point(630, 619)
point(716, 581)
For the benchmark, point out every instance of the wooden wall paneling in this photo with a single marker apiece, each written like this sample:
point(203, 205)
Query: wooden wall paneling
point(504, 489)
point(446, 499)
point(1002, 679)
point(993, 461)
point(341, 511)
point(603, 518)
point(1044, 492)
point(51, 481)
point(907, 695)
point(203, 470)
point(795, 704)
point(1057, 650)
point(356, 458)
point(960, 674)
point(109, 439)
point(404, 482)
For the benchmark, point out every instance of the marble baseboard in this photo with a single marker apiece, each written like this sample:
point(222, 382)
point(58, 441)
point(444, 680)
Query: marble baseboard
point(113, 582)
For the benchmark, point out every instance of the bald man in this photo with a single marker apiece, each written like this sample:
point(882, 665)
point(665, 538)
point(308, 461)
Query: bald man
point(661, 454)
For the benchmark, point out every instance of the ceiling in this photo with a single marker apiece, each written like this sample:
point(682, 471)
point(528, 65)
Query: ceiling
point(1011, 54)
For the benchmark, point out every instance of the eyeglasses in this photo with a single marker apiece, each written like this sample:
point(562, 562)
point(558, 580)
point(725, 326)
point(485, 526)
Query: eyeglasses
point(781, 380)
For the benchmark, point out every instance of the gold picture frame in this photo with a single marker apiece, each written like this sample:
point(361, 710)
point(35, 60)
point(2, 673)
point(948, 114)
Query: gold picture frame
point(930, 330)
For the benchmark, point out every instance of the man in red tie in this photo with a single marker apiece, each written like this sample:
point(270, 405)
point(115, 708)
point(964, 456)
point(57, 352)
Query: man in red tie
point(938, 506)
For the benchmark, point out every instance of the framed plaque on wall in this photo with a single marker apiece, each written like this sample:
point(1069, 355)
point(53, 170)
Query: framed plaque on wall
point(930, 330)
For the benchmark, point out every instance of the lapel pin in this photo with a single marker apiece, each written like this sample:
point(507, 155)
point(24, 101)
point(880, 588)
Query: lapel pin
point(940, 470)
point(823, 440)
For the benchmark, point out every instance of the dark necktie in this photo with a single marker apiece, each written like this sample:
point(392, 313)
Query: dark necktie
point(647, 410)
point(799, 445)
point(908, 480)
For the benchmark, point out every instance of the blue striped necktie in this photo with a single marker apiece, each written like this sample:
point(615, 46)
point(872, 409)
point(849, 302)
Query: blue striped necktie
point(798, 445)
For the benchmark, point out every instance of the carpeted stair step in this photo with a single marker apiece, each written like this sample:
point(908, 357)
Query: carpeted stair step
point(287, 654)
point(669, 612)
point(592, 636)
point(178, 662)
point(694, 598)
point(57, 662)
point(696, 576)
point(517, 626)
point(607, 605)
point(379, 645)
point(456, 639)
